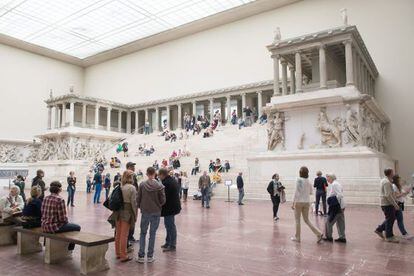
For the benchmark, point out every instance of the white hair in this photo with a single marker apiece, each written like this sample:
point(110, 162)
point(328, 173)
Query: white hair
point(331, 176)
point(15, 188)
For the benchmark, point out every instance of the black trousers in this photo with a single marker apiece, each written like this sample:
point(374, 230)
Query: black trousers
point(319, 195)
point(276, 202)
point(388, 224)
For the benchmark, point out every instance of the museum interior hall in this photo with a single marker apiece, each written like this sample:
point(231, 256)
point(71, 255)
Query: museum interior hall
point(206, 137)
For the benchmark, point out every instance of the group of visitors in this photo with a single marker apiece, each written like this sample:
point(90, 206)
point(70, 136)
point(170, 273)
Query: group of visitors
point(144, 149)
point(122, 147)
point(115, 162)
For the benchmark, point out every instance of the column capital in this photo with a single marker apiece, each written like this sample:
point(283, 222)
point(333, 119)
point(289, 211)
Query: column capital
point(283, 62)
point(347, 42)
point(322, 46)
point(259, 92)
point(275, 56)
point(291, 67)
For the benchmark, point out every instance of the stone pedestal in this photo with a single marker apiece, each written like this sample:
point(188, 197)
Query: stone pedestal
point(56, 251)
point(6, 235)
point(93, 259)
point(27, 244)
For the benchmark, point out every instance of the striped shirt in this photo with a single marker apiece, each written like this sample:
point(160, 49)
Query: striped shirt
point(53, 213)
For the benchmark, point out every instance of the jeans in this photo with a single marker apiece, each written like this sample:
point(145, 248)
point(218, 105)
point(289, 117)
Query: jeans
point(400, 220)
point(146, 130)
point(339, 219)
point(153, 221)
point(97, 196)
point(276, 202)
point(205, 197)
point(171, 239)
point(241, 195)
point(388, 224)
point(71, 194)
point(88, 186)
point(69, 227)
point(320, 194)
point(302, 208)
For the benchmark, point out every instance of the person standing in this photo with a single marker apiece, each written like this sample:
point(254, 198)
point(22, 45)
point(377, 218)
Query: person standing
point(107, 184)
point(274, 188)
point(131, 239)
point(170, 209)
point(320, 184)
point(19, 182)
point(89, 180)
point(400, 195)
point(38, 181)
point(240, 187)
point(150, 199)
point(146, 127)
point(389, 206)
point(301, 204)
point(125, 217)
point(336, 212)
point(185, 184)
point(204, 184)
point(97, 181)
point(71, 180)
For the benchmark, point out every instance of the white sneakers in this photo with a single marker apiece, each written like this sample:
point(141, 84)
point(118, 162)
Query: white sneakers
point(407, 237)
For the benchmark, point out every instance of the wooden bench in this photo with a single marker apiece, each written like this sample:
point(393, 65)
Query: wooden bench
point(7, 233)
point(93, 247)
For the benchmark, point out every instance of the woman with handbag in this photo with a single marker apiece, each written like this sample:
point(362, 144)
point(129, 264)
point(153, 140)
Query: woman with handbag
point(275, 189)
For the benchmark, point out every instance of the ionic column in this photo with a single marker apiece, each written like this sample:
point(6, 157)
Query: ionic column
point(292, 79)
point(168, 117)
point(136, 121)
point(322, 68)
point(259, 103)
point(119, 120)
point(63, 114)
point(108, 119)
point(284, 77)
point(348, 63)
point(84, 114)
point(128, 126)
point(211, 109)
point(298, 69)
point(276, 80)
point(179, 125)
point(72, 114)
point(157, 119)
point(57, 116)
point(49, 117)
point(194, 108)
point(96, 116)
point(243, 105)
point(228, 99)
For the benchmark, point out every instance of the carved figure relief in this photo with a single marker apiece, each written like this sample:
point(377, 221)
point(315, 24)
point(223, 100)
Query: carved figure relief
point(276, 131)
point(9, 154)
point(301, 141)
point(351, 126)
point(331, 132)
point(373, 132)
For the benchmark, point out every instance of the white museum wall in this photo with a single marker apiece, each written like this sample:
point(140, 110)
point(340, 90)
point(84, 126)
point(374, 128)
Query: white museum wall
point(25, 82)
point(235, 53)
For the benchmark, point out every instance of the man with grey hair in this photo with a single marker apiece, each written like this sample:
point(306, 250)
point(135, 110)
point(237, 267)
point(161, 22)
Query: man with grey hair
point(336, 213)
point(11, 205)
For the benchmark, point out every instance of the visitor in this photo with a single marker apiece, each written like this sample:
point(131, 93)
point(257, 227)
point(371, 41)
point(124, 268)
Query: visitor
point(164, 163)
point(263, 118)
point(248, 113)
point(117, 179)
point(211, 166)
point(389, 206)
point(254, 114)
point(227, 165)
point(185, 184)
point(241, 123)
point(173, 137)
point(400, 195)
point(54, 218)
point(131, 166)
point(11, 206)
point(156, 166)
point(131, 239)
point(97, 182)
point(71, 180)
point(107, 185)
point(177, 177)
point(89, 180)
point(125, 218)
point(32, 212)
point(170, 209)
point(146, 127)
point(19, 182)
point(275, 188)
point(150, 199)
point(176, 163)
point(320, 184)
point(38, 181)
point(119, 148)
point(125, 148)
point(234, 117)
point(204, 184)
point(240, 187)
point(336, 212)
point(301, 204)
point(196, 167)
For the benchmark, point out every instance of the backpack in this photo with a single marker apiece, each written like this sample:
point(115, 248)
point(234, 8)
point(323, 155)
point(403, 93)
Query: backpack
point(116, 201)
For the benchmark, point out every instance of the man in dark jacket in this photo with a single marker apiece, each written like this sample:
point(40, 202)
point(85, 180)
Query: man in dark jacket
point(38, 181)
point(240, 187)
point(320, 184)
point(131, 166)
point(171, 208)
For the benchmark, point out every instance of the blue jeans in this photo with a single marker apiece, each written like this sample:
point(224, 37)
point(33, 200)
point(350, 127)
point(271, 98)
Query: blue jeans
point(88, 186)
point(146, 130)
point(69, 227)
point(97, 196)
point(241, 195)
point(387, 225)
point(71, 194)
point(205, 196)
point(400, 221)
point(153, 221)
point(171, 239)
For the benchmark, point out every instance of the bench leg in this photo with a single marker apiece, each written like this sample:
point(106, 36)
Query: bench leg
point(93, 259)
point(56, 251)
point(7, 235)
point(27, 243)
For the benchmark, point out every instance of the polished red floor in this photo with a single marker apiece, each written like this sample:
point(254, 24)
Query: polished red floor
point(239, 240)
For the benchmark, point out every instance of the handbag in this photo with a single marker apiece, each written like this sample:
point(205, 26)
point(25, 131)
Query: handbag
point(282, 196)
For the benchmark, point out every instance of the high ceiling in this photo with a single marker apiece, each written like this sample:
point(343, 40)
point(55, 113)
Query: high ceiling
point(83, 28)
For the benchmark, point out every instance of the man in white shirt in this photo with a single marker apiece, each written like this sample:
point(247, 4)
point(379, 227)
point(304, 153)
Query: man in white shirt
point(11, 205)
point(336, 209)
